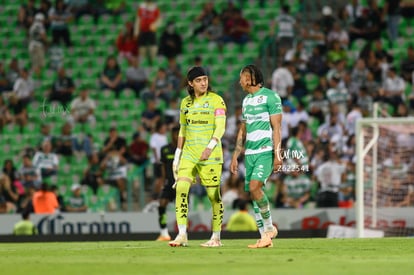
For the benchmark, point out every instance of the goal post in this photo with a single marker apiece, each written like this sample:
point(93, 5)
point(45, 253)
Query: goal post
point(371, 157)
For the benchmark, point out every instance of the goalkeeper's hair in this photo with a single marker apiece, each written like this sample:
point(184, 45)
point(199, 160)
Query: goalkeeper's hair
point(256, 75)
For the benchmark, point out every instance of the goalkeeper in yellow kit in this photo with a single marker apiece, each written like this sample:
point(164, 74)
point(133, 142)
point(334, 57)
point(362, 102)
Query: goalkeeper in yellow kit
point(199, 151)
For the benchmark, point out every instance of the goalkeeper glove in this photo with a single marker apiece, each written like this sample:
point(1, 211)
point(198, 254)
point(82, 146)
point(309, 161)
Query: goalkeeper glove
point(176, 162)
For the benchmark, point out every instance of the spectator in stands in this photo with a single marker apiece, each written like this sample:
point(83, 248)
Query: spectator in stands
point(29, 175)
point(336, 53)
point(407, 65)
point(150, 116)
point(138, 150)
point(171, 43)
point(127, 43)
point(23, 90)
point(365, 101)
point(330, 175)
point(393, 88)
point(298, 56)
point(366, 26)
point(65, 143)
point(354, 10)
point(37, 43)
point(114, 142)
point(359, 75)
point(232, 126)
point(215, 31)
point(46, 161)
point(25, 227)
point(329, 130)
point(62, 88)
point(205, 18)
point(11, 184)
point(285, 33)
point(5, 115)
point(26, 14)
point(236, 28)
point(314, 37)
point(44, 8)
point(8, 197)
point(60, 17)
point(241, 221)
point(316, 63)
point(4, 82)
point(115, 167)
point(282, 80)
point(76, 202)
point(161, 87)
point(13, 72)
point(338, 34)
point(392, 10)
point(146, 24)
point(175, 77)
point(111, 77)
point(92, 176)
point(338, 95)
point(45, 135)
point(45, 201)
point(82, 109)
point(318, 105)
point(136, 77)
point(296, 188)
point(327, 20)
point(398, 194)
point(157, 140)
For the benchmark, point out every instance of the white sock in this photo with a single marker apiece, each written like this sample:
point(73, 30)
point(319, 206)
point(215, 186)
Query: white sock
point(164, 232)
point(268, 224)
point(216, 235)
point(182, 229)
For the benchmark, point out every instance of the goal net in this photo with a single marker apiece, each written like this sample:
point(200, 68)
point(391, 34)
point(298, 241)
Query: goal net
point(385, 176)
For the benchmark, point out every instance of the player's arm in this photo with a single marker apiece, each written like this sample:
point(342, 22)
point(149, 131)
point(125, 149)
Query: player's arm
point(241, 137)
point(219, 128)
point(276, 122)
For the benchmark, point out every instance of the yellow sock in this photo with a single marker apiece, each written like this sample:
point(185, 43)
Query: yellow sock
point(213, 194)
point(181, 202)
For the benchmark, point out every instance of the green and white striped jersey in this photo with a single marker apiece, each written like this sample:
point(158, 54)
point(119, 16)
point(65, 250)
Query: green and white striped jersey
point(257, 109)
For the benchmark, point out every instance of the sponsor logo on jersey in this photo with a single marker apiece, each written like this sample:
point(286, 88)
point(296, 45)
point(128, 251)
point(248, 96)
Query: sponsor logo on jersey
point(199, 121)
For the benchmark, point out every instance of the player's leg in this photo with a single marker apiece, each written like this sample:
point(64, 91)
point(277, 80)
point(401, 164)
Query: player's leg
point(162, 220)
point(262, 167)
point(210, 176)
point(258, 218)
point(184, 179)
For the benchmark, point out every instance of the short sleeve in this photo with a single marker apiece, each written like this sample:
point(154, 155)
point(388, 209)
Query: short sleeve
point(274, 104)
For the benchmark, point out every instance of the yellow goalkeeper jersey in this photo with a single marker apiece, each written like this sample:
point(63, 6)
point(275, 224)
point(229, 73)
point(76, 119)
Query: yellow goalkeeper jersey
point(198, 122)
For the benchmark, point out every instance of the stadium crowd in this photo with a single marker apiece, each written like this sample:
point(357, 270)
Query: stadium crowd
point(329, 73)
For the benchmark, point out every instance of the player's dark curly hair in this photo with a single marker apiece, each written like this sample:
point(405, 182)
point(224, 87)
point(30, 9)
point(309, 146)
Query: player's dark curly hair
point(256, 75)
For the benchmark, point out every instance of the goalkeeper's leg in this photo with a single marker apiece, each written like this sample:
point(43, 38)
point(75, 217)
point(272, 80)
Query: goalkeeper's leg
point(181, 212)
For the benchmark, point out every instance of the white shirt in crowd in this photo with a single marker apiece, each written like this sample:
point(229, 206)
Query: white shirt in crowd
point(157, 141)
point(329, 175)
point(81, 107)
point(48, 161)
point(23, 87)
point(394, 85)
point(282, 78)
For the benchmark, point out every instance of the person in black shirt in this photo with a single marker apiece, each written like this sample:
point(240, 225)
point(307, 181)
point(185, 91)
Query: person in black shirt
point(168, 192)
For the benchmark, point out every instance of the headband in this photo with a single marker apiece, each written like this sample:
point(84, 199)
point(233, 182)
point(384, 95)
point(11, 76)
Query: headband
point(195, 72)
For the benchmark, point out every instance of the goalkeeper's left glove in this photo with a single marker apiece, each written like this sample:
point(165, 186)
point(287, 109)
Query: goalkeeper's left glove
point(176, 162)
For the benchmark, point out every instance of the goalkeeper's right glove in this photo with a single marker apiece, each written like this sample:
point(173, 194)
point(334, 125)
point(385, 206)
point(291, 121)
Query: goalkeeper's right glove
point(176, 162)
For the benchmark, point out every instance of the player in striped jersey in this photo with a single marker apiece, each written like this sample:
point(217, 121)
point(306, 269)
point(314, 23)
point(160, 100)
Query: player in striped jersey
point(199, 151)
point(260, 135)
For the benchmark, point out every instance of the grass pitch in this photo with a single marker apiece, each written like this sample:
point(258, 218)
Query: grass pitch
point(288, 256)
